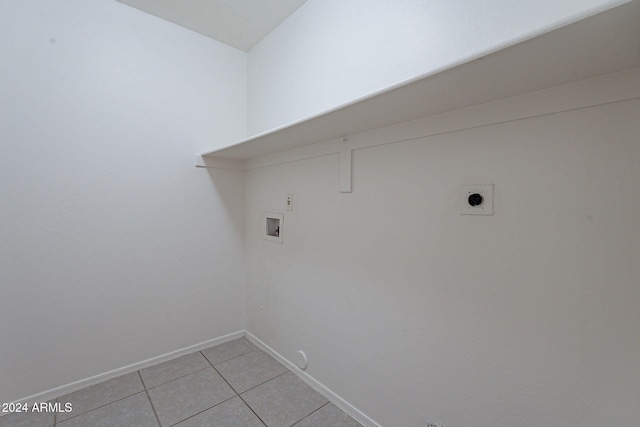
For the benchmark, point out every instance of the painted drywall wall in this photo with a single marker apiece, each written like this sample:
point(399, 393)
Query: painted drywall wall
point(412, 312)
point(331, 52)
point(113, 247)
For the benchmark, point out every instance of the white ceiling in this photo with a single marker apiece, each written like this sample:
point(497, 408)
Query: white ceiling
point(238, 23)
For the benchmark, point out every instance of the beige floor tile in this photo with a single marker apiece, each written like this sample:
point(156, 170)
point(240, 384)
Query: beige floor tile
point(283, 401)
point(180, 399)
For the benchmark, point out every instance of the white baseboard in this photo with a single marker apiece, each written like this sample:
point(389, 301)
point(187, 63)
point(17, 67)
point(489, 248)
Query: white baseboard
point(75, 386)
point(316, 385)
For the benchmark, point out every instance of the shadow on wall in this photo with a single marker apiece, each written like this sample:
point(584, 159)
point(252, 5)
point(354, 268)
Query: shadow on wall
point(226, 185)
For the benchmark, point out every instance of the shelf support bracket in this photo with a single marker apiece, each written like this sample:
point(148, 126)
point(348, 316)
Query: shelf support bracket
point(345, 168)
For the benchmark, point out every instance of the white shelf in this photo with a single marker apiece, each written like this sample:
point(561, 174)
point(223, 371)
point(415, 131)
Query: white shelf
point(602, 44)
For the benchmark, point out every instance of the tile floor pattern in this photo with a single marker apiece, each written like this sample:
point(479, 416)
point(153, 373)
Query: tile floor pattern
point(234, 384)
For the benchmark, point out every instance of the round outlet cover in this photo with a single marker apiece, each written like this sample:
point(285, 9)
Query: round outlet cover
point(301, 360)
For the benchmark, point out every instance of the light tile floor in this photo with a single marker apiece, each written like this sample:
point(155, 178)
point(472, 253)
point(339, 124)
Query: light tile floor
point(234, 384)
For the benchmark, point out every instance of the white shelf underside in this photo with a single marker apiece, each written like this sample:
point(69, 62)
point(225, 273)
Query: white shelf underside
point(599, 45)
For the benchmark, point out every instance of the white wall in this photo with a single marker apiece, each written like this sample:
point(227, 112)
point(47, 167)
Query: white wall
point(113, 247)
point(411, 312)
point(331, 52)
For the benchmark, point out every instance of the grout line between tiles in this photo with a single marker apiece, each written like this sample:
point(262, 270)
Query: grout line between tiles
point(258, 385)
point(251, 409)
point(225, 380)
point(238, 394)
point(153, 408)
point(175, 379)
point(234, 390)
point(102, 406)
point(186, 375)
point(308, 415)
point(212, 366)
point(205, 410)
point(231, 358)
